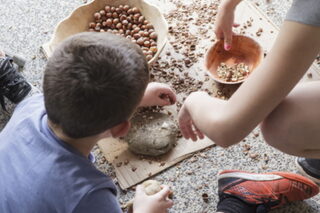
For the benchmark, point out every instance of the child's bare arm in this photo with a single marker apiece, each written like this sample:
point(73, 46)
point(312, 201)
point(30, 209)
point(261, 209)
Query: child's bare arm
point(228, 122)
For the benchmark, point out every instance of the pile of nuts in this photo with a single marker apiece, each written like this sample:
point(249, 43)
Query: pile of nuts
point(129, 23)
point(233, 73)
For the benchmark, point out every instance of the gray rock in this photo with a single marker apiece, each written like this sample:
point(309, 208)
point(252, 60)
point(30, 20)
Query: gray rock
point(152, 134)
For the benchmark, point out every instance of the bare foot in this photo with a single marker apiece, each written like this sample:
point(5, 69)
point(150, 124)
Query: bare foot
point(2, 54)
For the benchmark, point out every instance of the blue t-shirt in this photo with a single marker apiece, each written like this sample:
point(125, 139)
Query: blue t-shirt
point(41, 174)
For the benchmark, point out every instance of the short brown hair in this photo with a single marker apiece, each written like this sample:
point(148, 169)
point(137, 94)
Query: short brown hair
point(92, 82)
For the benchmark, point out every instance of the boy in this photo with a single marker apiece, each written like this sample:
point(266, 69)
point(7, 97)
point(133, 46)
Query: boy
point(92, 84)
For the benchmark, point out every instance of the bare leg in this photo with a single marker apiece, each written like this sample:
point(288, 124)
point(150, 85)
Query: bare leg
point(294, 126)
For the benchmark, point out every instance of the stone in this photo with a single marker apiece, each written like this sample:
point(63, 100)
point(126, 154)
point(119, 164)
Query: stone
point(152, 134)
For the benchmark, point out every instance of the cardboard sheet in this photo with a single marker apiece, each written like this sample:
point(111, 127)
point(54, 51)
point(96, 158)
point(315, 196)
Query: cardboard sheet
point(132, 169)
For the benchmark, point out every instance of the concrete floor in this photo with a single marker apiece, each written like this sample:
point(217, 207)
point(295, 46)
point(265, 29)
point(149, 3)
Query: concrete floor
point(26, 25)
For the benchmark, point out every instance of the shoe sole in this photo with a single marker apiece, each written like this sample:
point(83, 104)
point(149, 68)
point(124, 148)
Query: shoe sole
point(250, 176)
point(266, 176)
point(302, 172)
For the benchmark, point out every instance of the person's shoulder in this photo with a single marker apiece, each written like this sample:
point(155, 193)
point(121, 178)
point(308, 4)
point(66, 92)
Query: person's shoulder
point(32, 102)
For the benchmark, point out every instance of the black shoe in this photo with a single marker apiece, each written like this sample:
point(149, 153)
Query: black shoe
point(310, 168)
point(12, 85)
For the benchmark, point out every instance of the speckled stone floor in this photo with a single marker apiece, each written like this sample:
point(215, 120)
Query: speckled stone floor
point(26, 25)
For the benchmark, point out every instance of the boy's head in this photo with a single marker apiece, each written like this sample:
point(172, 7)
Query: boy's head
point(93, 82)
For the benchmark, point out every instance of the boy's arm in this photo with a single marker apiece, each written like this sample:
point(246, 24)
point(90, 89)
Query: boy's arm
point(158, 94)
point(228, 122)
point(99, 201)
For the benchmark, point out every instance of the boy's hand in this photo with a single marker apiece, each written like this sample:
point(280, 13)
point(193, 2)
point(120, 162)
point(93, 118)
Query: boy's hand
point(225, 21)
point(158, 94)
point(157, 203)
point(187, 126)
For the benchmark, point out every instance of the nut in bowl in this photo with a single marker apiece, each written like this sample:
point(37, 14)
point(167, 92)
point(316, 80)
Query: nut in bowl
point(128, 18)
point(235, 65)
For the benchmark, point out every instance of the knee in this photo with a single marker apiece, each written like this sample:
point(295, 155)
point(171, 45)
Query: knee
point(277, 134)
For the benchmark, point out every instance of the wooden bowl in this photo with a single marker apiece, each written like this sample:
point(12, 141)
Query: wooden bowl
point(244, 50)
point(78, 21)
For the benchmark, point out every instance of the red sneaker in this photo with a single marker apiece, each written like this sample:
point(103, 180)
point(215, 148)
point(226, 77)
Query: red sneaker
point(272, 189)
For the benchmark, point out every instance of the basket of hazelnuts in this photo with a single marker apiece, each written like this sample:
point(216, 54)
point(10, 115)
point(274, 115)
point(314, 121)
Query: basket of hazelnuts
point(136, 20)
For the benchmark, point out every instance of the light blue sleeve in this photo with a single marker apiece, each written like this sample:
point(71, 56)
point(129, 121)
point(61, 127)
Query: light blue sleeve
point(99, 201)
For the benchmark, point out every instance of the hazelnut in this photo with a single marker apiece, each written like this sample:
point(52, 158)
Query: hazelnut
point(125, 22)
point(126, 7)
point(91, 30)
point(149, 52)
point(128, 37)
point(135, 10)
point(153, 44)
point(109, 30)
point(153, 35)
point(140, 41)
point(136, 36)
point(123, 17)
point(143, 27)
point(129, 26)
point(145, 22)
point(92, 25)
point(136, 30)
point(104, 23)
point(107, 8)
point(120, 7)
point(98, 25)
point(129, 18)
point(97, 16)
point(153, 49)
point(112, 9)
point(118, 10)
point(109, 15)
point(134, 41)
point(149, 57)
point(145, 34)
point(115, 21)
point(146, 44)
point(136, 16)
point(102, 12)
point(128, 32)
point(149, 26)
point(121, 31)
point(102, 30)
point(97, 28)
point(141, 19)
point(115, 15)
point(129, 11)
point(119, 26)
point(115, 31)
point(109, 22)
point(141, 33)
